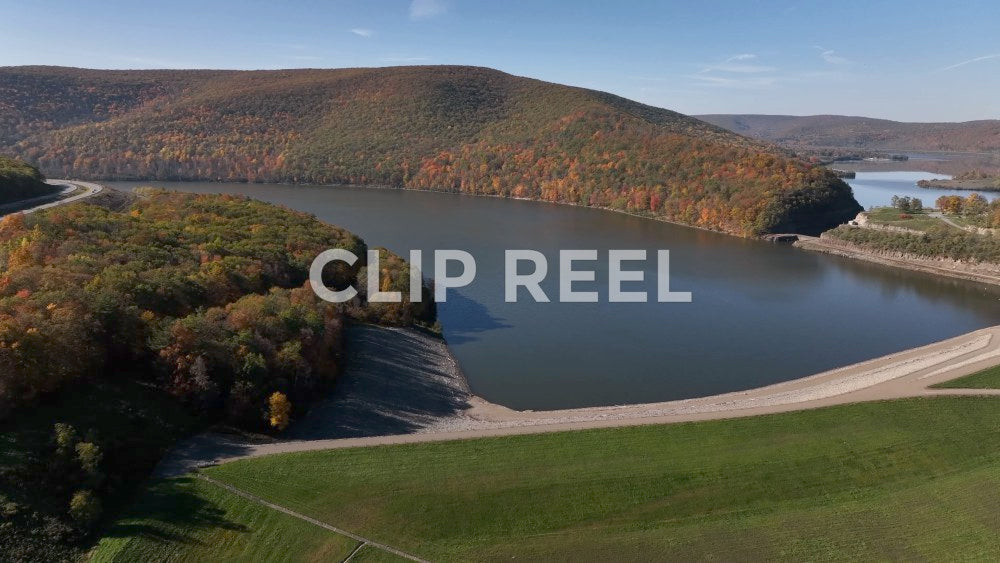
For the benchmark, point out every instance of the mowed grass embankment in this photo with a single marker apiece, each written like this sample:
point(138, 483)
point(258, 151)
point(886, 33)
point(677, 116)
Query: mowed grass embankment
point(189, 519)
point(989, 378)
point(909, 479)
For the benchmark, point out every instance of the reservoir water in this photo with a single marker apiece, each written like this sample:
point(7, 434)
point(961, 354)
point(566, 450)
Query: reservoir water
point(761, 313)
point(877, 188)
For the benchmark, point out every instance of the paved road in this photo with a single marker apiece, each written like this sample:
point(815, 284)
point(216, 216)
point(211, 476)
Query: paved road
point(45, 202)
point(89, 189)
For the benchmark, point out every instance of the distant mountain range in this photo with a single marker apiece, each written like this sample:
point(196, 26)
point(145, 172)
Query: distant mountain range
point(863, 133)
point(464, 129)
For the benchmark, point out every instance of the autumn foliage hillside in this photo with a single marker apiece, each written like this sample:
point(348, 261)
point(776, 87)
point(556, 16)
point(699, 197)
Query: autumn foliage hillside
point(462, 129)
point(207, 292)
point(123, 330)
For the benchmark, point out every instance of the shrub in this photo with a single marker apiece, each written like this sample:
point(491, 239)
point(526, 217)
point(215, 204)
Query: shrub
point(280, 409)
point(65, 437)
point(89, 456)
point(937, 242)
point(85, 508)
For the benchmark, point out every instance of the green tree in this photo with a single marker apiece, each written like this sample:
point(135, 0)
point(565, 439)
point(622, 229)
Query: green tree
point(65, 437)
point(85, 508)
point(89, 456)
point(951, 204)
point(975, 205)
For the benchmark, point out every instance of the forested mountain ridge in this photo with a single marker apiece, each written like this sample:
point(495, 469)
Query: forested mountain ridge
point(463, 129)
point(865, 133)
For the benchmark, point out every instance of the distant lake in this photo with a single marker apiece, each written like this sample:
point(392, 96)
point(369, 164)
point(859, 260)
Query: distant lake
point(762, 313)
point(877, 188)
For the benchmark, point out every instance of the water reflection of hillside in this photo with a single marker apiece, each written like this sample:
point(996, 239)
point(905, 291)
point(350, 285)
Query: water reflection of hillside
point(468, 320)
point(980, 299)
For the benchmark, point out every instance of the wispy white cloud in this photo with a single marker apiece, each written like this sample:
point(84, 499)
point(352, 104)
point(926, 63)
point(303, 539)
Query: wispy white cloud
point(737, 64)
point(970, 61)
point(747, 71)
point(766, 81)
point(738, 68)
point(739, 82)
point(831, 56)
point(362, 32)
point(423, 9)
point(737, 71)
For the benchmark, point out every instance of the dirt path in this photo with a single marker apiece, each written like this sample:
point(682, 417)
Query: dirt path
point(939, 215)
point(415, 393)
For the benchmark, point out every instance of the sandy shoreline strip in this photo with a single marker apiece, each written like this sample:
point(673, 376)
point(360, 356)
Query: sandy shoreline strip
point(450, 412)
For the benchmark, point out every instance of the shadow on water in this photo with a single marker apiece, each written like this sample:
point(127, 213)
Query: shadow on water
point(468, 319)
point(394, 382)
point(171, 511)
point(982, 300)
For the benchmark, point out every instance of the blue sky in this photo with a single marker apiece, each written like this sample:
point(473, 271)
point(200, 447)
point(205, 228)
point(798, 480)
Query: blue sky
point(913, 61)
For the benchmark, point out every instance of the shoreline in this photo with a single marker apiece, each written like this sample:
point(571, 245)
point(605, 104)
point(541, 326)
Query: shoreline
point(806, 242)
point(906, 374)
point(434, 191)
point(931, 266)
point(980, 185)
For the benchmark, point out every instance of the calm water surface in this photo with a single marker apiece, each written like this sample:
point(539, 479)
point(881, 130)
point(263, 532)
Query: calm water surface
point(877, 188)
point(762, 313)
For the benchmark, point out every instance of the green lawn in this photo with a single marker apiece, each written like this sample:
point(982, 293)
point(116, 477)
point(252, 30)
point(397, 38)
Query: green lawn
point(987, 379)
point(189, 519)
point(912, 479)
point(891, 216)
point(369, 554)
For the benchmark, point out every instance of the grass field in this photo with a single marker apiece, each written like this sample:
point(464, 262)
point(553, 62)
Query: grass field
point(987, 379)
point(912, 479)
point(209, 523)
point(892, 217)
